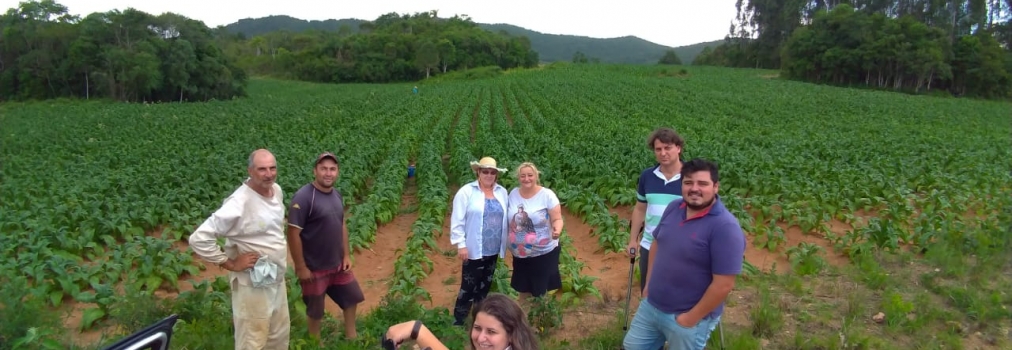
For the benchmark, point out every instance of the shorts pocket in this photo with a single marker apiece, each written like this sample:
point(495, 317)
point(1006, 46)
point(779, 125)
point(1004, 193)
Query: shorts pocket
point(691, 329)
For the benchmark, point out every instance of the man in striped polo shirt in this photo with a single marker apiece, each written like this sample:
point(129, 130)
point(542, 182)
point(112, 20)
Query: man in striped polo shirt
point(658, 185)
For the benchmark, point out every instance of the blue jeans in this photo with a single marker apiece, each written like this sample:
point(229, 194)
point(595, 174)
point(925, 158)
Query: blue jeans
point(651, 327)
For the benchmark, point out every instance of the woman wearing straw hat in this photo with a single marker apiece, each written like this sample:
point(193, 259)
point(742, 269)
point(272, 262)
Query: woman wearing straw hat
point(478, 229)
point(533, 239)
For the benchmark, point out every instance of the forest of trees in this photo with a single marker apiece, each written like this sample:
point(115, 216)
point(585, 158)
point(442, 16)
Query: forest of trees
point(124, 55)
point(961, 47)
point(389, 49)
point(134, 56)
point(550, 47)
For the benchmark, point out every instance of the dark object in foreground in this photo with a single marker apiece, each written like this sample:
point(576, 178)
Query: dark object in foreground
point(153, 337)
point(387, 343)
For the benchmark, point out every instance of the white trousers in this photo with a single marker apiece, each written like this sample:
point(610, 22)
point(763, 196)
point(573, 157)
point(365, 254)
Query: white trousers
point(260, 315)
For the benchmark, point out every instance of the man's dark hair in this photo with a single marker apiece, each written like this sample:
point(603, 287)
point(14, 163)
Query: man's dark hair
point(665, 135)
point(700, 164)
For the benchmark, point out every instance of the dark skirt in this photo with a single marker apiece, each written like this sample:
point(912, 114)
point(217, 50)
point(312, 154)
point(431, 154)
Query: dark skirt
point(537, 275)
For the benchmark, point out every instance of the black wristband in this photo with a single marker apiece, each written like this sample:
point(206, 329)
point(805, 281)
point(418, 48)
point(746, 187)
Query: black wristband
point(414, 330)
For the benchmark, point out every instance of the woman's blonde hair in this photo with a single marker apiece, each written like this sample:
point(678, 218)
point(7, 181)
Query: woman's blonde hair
point(537, 174)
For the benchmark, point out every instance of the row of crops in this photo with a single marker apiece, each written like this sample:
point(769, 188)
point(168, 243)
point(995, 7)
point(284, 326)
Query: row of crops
point(86, 184)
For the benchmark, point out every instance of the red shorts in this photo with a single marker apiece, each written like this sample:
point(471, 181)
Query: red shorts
point(340, 286)
point(326, 278)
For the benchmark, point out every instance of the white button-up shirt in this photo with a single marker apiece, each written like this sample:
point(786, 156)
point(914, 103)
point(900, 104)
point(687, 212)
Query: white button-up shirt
point(467, 216)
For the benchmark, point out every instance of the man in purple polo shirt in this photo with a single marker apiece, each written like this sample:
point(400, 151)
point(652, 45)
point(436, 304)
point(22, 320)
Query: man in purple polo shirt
point(697, 253)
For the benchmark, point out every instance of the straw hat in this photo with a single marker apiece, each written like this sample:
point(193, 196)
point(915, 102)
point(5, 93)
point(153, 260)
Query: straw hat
point(486, 163)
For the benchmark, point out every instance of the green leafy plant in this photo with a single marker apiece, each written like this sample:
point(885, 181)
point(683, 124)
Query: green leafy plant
point(545, 314)
point(805, 258)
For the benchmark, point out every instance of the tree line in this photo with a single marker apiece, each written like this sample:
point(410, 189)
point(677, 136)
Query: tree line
point(959, 47)
point(550, 47)
point(134, 56)
point(124, 55)
point(391, 48)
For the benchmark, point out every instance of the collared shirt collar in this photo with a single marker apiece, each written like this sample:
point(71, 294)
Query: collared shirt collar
point(476, 185)
point(715, 209)
point(660, 175)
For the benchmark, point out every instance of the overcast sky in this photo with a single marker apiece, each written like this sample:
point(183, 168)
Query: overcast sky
point(666, 22)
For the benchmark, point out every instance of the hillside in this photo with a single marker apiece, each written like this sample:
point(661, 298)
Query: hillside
point(251, 27)
point(557, 47)
point(689, 52)
point(550, 47)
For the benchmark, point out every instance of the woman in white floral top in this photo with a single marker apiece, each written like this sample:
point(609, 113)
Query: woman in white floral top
point(535, 225)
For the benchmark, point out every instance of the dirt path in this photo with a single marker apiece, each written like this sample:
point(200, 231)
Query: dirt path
point(374, 267)
point(611, 269)
point(443, 281)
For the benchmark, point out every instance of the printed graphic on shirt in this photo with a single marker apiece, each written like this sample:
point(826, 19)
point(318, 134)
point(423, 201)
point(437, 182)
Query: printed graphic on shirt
point(529, 231)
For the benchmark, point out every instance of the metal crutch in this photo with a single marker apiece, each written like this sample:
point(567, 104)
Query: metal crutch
point(720, 328)
point(628, 292)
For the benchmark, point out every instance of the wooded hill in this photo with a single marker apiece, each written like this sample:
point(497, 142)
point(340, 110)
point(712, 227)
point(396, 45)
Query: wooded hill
point(394, 47)
point(550, 47)
point(134, 56)
point(957, 47)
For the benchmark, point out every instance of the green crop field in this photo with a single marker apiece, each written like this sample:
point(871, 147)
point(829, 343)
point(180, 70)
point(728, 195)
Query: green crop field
point(913, 193)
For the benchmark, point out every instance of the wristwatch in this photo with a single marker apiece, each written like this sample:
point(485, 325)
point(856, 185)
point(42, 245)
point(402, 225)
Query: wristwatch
point(414, 330)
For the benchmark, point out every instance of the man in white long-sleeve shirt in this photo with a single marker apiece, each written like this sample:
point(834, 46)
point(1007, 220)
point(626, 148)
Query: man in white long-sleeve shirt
point(251, 220)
